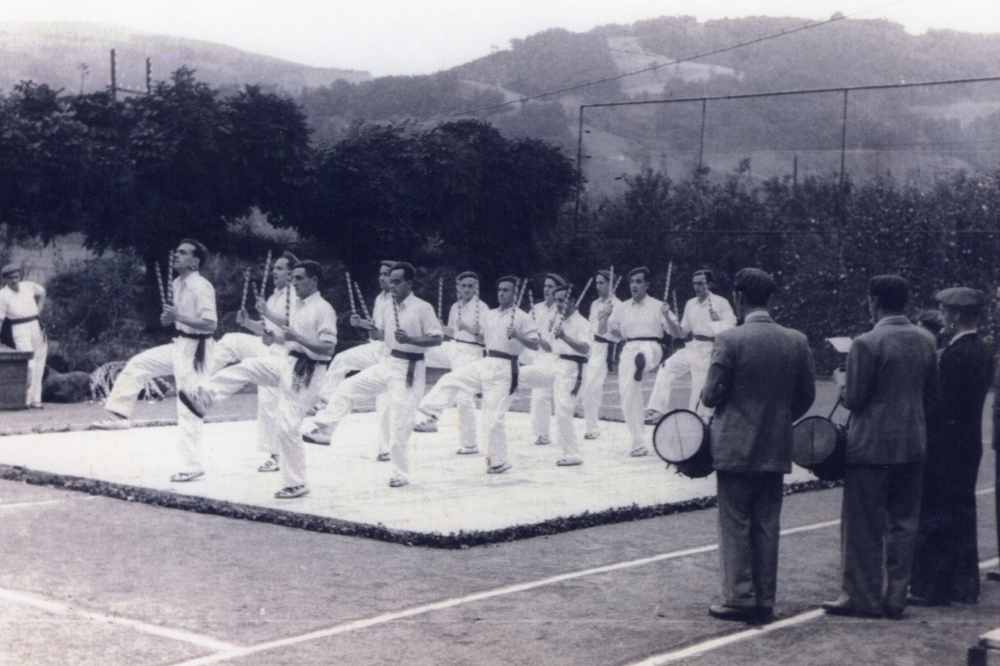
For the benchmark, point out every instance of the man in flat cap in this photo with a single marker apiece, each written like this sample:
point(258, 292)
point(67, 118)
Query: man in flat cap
point(760, 381)
point(21, 302)
point(890, 384)
point(946, 561)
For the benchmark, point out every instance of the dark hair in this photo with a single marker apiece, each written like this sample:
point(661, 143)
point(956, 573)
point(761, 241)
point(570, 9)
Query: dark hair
point(755, 285)
point(311, 268)
point(387, 263)
point(466, 274)
point(931, 320)
point(407, 268)
point(709, 276)
point(200, 251)
point(642, 270)
point(290, 258)
point(892, 291)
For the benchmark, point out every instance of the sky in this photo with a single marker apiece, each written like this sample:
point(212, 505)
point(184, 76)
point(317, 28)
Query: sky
point(405, 37)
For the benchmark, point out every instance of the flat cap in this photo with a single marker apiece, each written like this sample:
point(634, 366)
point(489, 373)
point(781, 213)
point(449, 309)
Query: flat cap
point(10, 268)
point(958, 297)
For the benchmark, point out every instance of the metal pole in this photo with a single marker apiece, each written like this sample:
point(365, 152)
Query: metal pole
point(843, 141)
point(114, 80)
point(149, 76)
point(701, 142)
point(579, 174)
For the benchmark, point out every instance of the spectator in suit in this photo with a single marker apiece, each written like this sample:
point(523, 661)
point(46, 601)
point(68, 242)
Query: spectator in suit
point(890, 384)
point(760, 380)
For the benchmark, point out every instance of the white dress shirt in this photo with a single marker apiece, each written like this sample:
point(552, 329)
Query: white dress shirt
point(194, 297)
point(575, 327)
point(469, 314)
point(638, 320)
point(697, 319)
point(495, 323)
point(21, 303)
point(416, 319)
point(315, 319)
point(595, 321)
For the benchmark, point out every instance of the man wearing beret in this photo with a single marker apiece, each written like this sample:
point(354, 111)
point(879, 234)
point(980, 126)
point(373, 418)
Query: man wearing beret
point(759, 381)
point(946, 560)
point(21, 302)
point(890, 384)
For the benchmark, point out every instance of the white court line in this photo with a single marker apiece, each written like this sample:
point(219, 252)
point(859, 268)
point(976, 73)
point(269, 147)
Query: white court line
point(28, 505)
point(478, 596)
point(63, 609)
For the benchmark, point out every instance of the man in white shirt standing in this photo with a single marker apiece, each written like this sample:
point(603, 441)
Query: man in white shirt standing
point(366, 355)
point(466, 346)
point(640, 322)
point(267, 340)
point(544, 313)
point(564, 374)
point(193, 316)
point(602, 350)
point(310, 336)
point(412, 328)
point(507, 331)
point(21, 302)
point(705, 316)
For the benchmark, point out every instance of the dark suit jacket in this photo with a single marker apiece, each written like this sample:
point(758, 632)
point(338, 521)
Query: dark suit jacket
point(760, 381)
point(891, 385)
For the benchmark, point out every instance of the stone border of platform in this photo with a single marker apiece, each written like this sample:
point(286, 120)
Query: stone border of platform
point(325, 525)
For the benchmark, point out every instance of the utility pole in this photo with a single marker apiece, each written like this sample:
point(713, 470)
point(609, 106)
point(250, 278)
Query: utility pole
point(114, 79)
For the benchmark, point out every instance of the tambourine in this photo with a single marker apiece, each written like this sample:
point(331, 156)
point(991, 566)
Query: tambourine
point(820, 446)
point(682, 439)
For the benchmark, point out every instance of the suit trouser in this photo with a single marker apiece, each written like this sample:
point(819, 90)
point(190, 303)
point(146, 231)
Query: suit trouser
point(592, 391)
point(631, 390)
point(177, 359)
point(275, 372)
point(236, 347)
point(356, 359)
point(30, 337)
point(694, 360)
point(749, 524)
point(491, 376)
point(389, 376)
point(558, 376)
point(879, 521)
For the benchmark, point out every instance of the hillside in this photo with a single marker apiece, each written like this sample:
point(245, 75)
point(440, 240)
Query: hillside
point(52, 53)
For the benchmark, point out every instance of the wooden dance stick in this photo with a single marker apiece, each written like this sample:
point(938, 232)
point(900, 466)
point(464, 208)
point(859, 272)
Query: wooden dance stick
point(666, 289)
point(170, 278)
point(350, 291)
point(440, 297)
point(579, 299)
point(267, 274)
point(676, 311)
point(614, 289)
point(361, 300)
point(159, 283)
point(246, 285)
point(288, 305)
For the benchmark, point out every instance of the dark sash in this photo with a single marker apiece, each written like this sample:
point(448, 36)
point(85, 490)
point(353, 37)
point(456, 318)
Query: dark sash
point(22, 320)
point(412, 359)
point(199, 352)
point(610, 351)
point(305, 366)
point(513, 366)
point(579, 360)
point(470, 342)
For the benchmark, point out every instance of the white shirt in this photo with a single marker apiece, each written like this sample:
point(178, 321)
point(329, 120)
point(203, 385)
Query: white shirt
point(315, 319)
point(382, 310)
point(697, 319)
point(194, 297)
point(595, 321)
point(277, 303)
point(545, 316)
point(21, 303)
point(469, 314)
point(575, 327)
point(495, 324)
point(416, 319)
point(638, 320)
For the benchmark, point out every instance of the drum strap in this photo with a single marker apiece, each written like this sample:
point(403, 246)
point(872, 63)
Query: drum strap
point(513, 366)
point(580, 361)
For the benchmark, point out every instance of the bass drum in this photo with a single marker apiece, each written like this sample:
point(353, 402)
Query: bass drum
point(683, 440)
point(820, 446)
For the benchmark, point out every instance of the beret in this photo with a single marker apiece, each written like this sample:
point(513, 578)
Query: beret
point(10, 268)
point(467, 274)
point(507, 278)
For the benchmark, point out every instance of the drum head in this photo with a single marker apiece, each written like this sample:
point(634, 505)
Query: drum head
point(813, 441)
point(679, 436)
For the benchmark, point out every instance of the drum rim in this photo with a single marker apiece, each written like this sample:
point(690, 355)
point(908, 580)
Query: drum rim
point(663, 418)
point(836, 430)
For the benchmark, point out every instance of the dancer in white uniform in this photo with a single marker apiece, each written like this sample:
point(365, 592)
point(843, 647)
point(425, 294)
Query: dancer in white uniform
point(412, 328)
point(187, 358)
point(22, 302)
point(602, 349)
point(640, 322)
point(544, 313)
point(310, 336)
point(507, 331)
point(267, 340)
point(364, 356)
point(705, 316)
point(466, 346)
point(565, 373)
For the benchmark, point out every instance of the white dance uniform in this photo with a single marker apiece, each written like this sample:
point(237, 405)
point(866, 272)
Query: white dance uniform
point(601, 345)
point(541, 398)
point(22, 309)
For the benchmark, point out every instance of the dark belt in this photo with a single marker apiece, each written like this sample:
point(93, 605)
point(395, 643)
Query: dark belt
point(702, 338)
point(22, 320)
point(513, 366)
point(199, 352)
point(610, 351)
point(412, 358)
point(642, 339)
point(470, 342)
point(305, 366)
point(579, 360)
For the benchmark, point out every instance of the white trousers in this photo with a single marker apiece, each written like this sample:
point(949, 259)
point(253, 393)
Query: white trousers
point(592, 393)
point(276, 373)
point(688, 364)
point(491, 377)
point(29, 337)
point(356, 359)
point(460, 354)
point(541, 399)
point(631, 390)
point(389, 376)
point(236, 347)
point(558, 376)
point(177, 359)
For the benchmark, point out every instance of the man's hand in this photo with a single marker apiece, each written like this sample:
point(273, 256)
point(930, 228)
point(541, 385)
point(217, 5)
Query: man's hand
point(290, 335)
point(259, 304)
point(448, 331)
point(605, 311)
point(401, 337)
point(267, 338)
point(511, 332)
point(242, 316)
point(666, 311)
point(545, 345)
point(169, 315)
